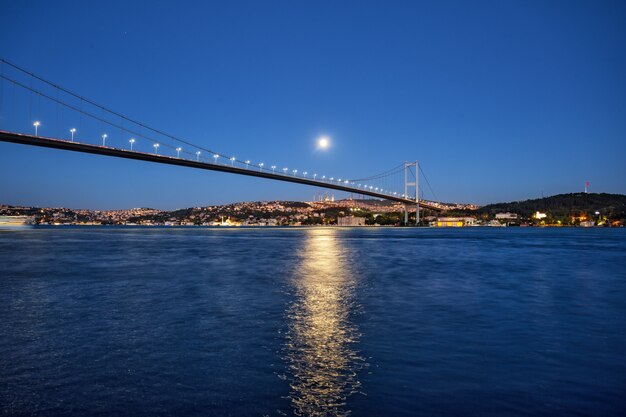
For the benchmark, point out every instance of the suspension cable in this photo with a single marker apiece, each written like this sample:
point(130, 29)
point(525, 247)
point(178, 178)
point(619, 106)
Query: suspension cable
point(84, 112)
point(160, 132)
point(387, 173)
point(428, 182)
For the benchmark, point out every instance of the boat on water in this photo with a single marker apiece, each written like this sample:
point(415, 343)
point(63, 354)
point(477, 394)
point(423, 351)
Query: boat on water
point(15, 222)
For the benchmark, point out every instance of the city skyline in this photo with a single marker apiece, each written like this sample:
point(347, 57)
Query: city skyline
point(538, 109)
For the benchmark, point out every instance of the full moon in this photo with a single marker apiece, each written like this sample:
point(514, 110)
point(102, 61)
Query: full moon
point(323, 142)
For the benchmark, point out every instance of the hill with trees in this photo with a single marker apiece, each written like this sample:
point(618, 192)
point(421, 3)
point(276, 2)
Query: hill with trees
point(565, 206)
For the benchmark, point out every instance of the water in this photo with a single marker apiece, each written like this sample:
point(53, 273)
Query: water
point(218, 322)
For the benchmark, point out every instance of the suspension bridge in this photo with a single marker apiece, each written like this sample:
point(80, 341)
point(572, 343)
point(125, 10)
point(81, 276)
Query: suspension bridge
point(27, 92)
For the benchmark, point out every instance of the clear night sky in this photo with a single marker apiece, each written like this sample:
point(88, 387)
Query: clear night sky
point(498, 100)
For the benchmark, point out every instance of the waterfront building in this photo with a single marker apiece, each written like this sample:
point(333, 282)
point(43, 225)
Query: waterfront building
point(507, 216)
point(453, 222)
point(351, 221)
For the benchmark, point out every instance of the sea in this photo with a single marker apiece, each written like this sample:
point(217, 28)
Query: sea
point(156, 321)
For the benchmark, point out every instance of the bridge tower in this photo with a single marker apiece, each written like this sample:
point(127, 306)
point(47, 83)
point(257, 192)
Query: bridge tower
point(411, 169)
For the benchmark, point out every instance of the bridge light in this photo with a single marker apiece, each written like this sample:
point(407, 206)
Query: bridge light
point(285, 170)
point(261, 166)
point(295, 171)
point(247, 163)
point(338, 179)
point(132, 141)
point(232, 161)
point(273, 168)
point(323, 177)
point(332, 179)
point(104, 139)
point(156, 148)
point(304, 174)
point(36, 124)
point(198, 155)
point(72, 131)
point(178, 152)
point(215, 157)
point(314, 175)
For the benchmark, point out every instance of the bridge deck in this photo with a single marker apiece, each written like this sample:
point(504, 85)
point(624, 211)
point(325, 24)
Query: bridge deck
point(162, 159)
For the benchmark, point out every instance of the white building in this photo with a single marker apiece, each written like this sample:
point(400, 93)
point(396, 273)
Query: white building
point(506, 216)
point(351, 221)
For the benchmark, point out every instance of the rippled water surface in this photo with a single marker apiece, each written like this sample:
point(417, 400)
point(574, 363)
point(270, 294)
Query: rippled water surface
point(313, 322)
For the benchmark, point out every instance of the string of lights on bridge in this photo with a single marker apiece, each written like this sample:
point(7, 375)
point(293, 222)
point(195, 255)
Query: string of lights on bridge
point(183, 149)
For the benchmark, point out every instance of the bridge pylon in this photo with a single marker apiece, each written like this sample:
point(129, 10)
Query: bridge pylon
point(411, 169)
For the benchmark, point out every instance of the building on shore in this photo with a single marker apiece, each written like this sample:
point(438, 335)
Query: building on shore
point(506, 216)
point(453, 222)
point(351, 221)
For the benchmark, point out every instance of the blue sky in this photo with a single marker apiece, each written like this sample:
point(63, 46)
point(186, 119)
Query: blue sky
point(499, 101)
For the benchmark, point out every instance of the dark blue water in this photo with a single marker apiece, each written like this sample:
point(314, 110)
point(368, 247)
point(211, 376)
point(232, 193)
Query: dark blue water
point(372, 322)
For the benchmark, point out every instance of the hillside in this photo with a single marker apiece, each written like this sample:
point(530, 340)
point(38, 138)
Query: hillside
point(612, 206)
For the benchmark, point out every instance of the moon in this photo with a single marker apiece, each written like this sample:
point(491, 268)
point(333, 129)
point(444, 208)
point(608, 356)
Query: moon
point(323, 142)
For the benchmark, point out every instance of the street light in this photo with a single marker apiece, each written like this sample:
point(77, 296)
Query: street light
point(104, 139)
point(304, 174)
point(295, 171)
point(314, 175)
point(261, 166)
point(178, 152)
point(285, 170)
point(132, 140)
point(247, 163)
point(215, 156)
point(273, 168)
point(232, 161)
point(323, 177)
point(36, 124)
point(72, 131)
point(198, 155)
point(156, 148)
